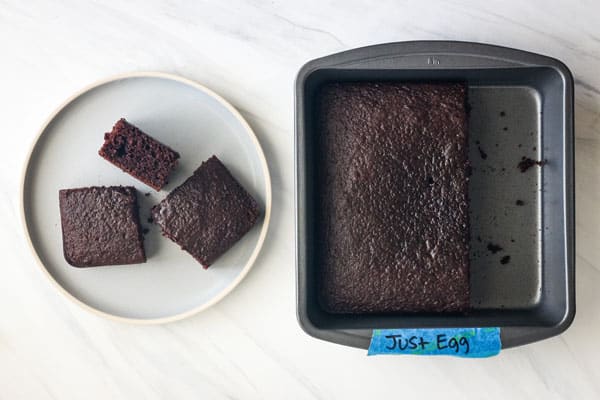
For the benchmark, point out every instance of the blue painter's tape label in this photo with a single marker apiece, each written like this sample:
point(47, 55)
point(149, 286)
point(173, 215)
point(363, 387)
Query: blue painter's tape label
point(458, 342)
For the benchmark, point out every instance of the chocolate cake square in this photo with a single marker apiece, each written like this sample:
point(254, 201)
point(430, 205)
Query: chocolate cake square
point(208, 213)
point(393, 230)
point(100, 226)
point(138, 154)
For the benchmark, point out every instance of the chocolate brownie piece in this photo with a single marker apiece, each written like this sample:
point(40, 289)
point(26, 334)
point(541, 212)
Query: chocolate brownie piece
point(139, 154)
point(100, 226)
point(208, 213)
point(393, 197)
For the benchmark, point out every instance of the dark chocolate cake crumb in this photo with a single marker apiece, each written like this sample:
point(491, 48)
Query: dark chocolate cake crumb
point(494, 248)
point(512, 240)
point(520, 202)
point(150, 220)
point(139, 154)
point(145, 231)
point(527, 163)
point(479, 239)
point(502, 113)
point(505, 128)
point(505, 260)
point(147, 194)
point(482, 153)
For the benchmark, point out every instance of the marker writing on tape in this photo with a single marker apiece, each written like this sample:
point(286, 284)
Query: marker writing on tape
point(459, 342)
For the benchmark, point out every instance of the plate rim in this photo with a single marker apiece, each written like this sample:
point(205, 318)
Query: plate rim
point(255, 252)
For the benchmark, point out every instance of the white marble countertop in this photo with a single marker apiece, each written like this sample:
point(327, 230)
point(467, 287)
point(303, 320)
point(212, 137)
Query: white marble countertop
point(249, 345)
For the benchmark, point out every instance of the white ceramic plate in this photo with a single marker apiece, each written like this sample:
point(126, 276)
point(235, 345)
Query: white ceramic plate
point(192, 120)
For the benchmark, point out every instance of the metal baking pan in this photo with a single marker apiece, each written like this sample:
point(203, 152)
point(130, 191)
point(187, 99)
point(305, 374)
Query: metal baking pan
point(521, 106)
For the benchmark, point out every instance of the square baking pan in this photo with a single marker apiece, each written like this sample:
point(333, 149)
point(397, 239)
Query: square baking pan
point(521, 106)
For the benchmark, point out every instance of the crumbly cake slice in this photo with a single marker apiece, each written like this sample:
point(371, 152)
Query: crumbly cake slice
point(139, 154)
point(208, 213)
point(100, 226)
